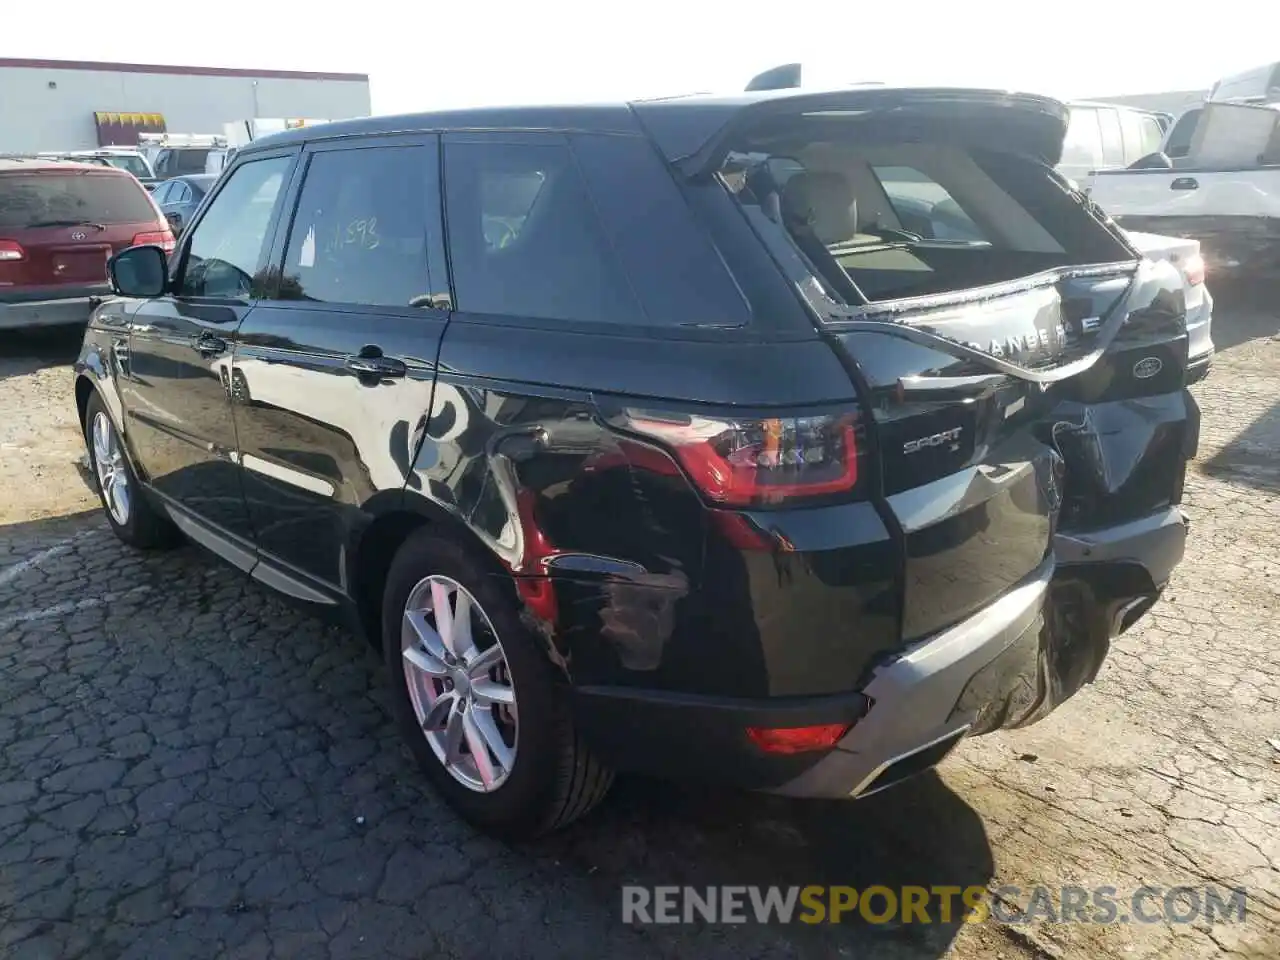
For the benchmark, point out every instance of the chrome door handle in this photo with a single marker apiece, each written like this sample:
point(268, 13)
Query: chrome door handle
point(376, 366)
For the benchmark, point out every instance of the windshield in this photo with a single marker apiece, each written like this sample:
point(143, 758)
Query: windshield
point(135, 165)
point(878, 220)
point(52, 199)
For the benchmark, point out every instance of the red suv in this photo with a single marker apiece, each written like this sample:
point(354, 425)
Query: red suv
point(59, 224)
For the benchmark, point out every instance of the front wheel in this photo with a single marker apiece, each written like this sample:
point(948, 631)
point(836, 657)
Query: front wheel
point(131, 515)
point(482, 708)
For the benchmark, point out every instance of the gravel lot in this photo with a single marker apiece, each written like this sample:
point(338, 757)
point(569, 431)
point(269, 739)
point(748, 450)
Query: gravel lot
point(189, 768)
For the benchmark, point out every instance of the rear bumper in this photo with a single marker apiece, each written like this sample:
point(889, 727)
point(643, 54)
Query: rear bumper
point(48, 313)
point(1007, 666)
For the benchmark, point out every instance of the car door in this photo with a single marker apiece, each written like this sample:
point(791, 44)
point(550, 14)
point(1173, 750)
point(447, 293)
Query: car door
point(333, 372)
point(177, 393)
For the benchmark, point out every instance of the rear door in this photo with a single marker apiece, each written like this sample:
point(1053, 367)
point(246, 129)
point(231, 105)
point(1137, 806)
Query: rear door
point(67, 223)
point(333, 371)
point(177, 395)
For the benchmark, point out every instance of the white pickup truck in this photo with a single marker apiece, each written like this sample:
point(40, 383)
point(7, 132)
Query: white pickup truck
point(1225, 192)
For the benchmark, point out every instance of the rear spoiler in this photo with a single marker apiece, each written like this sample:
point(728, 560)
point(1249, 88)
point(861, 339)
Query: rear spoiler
point(783, 77)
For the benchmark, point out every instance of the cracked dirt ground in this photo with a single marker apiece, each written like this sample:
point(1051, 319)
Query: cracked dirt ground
point(190, 769)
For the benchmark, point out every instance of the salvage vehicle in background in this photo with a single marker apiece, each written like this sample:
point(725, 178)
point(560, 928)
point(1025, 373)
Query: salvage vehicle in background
point(1225, 192)
point(649, 459)
point(1108, 136)
point(176, 154)
point(60, 222)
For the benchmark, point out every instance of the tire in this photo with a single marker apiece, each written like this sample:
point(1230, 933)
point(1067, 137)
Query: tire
point(553, 779)
point(141, 525)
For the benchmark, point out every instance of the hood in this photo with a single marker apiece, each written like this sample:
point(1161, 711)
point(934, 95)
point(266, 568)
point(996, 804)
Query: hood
point(697, 133)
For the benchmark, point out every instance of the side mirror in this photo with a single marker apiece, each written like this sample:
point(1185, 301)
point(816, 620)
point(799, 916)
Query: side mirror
point(175, 221)
point(1152, 161)
point(139, 271)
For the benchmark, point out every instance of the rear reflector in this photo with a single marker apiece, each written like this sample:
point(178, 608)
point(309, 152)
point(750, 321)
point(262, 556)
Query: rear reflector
point(11, 250)
point(797, 739)
point(161, 238)
point(758, 462)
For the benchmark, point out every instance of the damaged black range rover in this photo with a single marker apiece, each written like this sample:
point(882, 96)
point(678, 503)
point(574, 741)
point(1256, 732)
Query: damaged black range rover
point(784, 438)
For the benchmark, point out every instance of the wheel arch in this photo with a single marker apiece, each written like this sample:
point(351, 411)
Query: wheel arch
point(395, 520)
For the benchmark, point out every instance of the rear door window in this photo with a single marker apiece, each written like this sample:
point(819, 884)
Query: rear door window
point(581, 229)
point(66, 198)
point(1082, 148)
point(1112, 138)
point(359, 230)
point(1179, 141)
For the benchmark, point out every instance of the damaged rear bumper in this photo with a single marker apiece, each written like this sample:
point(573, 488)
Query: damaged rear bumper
point(1007, 666)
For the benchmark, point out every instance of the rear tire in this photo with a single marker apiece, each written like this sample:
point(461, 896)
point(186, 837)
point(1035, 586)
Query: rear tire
point(131, 515)
point(552, 778)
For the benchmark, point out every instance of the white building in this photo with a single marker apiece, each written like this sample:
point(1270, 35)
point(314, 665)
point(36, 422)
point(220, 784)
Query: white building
point(67, 105)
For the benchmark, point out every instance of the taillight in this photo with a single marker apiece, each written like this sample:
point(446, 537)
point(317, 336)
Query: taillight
point(161, 238)
point(757, 462)
point(11, 250)
point(1193, 269)
point(797, 739)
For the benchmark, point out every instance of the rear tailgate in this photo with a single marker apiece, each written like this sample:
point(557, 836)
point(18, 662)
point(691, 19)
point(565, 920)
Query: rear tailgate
point(969, 475)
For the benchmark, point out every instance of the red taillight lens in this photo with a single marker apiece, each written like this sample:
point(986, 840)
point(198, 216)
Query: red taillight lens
point(1193, 269)
point(161, 238)
point(11, 251)
point(797, 739)
point(749, 462)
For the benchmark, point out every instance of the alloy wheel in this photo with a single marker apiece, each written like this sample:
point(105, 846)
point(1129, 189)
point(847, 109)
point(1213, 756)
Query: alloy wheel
point(459, 683)
point(113, 475)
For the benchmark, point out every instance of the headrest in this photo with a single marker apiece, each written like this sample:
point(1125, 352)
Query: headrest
point(824, 201)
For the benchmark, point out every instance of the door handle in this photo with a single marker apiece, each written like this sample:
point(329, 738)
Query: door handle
point(366, 366)
point(208, 345)
point(1185, 183)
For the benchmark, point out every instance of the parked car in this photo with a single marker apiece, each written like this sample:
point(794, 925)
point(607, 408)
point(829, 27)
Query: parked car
point(124, 158)
point(59, 223)
point(1224, 192)
point(1108, 136)
point(643, 461)
point(180, 197)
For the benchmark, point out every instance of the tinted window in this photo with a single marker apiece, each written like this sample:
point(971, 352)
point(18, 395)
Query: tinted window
point(227, 244)
point(1083, 144)
point(671, 264)
point(70, 198)
point(161, 193)
point(924, 207)
point(1112, 142)
point(524, 237)
point(359, 231)
point(181, 193)
point(1179, 142)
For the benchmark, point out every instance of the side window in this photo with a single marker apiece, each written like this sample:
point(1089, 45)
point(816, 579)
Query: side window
point(1151, 135)
point(524, 236)
point(925, 207)
point(1179, 142)
point(228, 243)
point(1112, 141)
point(181, 193)
point(359, 231)
point(1082, 147)
point(161, 193)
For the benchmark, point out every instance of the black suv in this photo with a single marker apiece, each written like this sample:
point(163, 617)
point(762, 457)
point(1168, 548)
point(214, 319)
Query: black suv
point(782, 439)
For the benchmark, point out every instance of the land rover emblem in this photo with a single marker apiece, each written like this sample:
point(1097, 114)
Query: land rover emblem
point(1147, 367)
point(79, 235)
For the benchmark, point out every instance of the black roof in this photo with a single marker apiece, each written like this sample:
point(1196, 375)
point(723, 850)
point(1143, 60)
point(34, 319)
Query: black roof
point(683, 126)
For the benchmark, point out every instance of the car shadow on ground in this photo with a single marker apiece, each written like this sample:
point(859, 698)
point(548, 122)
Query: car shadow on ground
point(653, 833)
point(1250, 458)
point(26, 351)
point(1243, 312)
point(235, 775)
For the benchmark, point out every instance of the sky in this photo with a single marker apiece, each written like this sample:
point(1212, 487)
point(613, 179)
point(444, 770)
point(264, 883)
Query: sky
point(475, 52)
